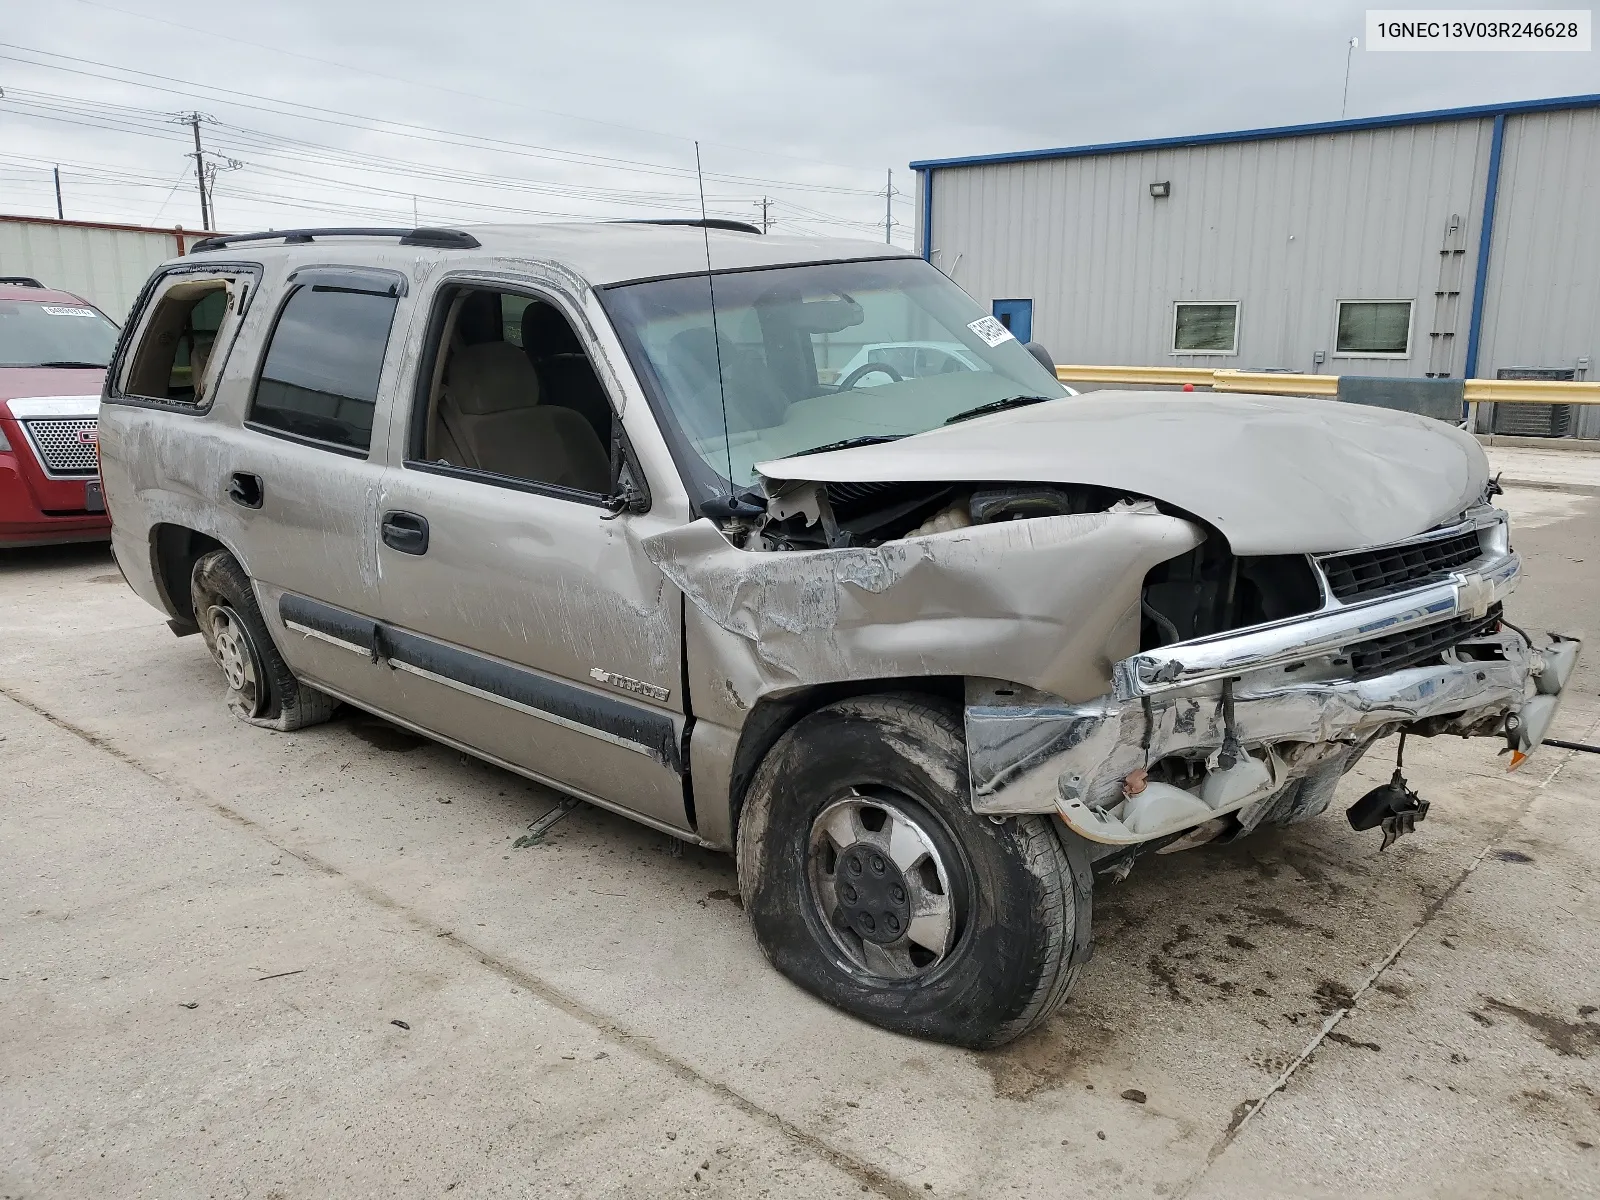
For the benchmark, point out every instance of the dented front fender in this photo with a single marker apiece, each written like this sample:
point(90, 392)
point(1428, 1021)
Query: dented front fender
point(1051, 602)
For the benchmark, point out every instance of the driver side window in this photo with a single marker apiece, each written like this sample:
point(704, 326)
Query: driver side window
point(512, 396)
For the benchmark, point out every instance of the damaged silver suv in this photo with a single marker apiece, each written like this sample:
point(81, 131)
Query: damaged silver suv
point(784, 546)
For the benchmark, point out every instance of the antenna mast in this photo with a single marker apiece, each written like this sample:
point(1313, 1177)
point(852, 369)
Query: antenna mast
point(716, 334)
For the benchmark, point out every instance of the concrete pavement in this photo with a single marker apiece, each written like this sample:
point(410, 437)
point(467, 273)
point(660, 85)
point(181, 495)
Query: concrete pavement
point(1529, 466)
point(1291, 1015)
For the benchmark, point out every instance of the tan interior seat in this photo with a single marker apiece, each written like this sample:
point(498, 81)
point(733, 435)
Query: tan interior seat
point(199, 359)
point(490, 419)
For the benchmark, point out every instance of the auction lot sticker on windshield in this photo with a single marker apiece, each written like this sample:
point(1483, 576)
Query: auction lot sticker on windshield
point(62, 310)
point(1478, 29)
point(990, 331)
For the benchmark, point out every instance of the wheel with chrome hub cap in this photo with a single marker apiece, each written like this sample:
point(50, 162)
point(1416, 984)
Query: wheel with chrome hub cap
point(870, 882)
point(888, 883)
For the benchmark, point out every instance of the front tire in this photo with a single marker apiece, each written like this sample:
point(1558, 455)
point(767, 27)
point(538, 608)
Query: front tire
point(871, 883)
point(261, 688)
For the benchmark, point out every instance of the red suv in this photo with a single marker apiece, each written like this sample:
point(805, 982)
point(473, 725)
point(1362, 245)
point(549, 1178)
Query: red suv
point(54, 348)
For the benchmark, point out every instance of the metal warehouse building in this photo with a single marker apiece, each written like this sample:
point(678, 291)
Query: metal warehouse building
point(105, 264)
point(1454, 243)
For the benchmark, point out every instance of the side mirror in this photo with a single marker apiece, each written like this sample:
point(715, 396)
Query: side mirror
point(629, 496)
point(1043, 355)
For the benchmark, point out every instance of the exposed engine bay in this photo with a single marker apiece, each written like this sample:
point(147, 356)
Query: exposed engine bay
point(811, 516)
point(1206, 591)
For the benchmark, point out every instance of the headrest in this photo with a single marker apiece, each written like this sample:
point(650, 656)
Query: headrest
point(545, 332)
point(492, 377)
point(695, 349)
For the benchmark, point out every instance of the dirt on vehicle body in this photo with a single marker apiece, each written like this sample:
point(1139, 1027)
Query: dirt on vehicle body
point(929, 650)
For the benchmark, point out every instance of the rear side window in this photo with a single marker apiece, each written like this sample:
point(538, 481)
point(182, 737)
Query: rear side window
point(183, 343)
point(319, 378)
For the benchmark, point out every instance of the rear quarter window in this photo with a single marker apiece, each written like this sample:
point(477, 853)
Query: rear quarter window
point(181, 336)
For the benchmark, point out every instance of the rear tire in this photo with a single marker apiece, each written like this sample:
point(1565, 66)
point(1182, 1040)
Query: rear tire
point(261, 688)
point(871, 883)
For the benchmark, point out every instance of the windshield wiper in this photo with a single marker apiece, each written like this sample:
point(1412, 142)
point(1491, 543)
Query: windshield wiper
point(871, 439)
point(995, 406)
point(70, 362)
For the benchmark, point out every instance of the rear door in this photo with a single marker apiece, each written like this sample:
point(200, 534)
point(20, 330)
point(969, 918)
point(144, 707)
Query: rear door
point(244, 407)
point(520, 613)
point(306, 476)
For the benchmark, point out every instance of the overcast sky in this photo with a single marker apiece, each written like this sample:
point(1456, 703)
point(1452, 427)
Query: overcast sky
point(488, 110)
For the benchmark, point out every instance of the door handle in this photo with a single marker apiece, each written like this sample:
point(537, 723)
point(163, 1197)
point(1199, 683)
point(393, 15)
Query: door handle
point(246, 490)
point(406, 532)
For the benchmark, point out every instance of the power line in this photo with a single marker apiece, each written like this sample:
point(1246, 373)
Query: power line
point(408, 129)
point(258, 144)
point(190, 28)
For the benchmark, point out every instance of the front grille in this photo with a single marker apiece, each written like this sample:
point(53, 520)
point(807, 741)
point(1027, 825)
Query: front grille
point(61, 446)
point(1367, 574)
point(1382, 655)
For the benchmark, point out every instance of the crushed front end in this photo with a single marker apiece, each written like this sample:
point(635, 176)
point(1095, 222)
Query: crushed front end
point(1213, 735)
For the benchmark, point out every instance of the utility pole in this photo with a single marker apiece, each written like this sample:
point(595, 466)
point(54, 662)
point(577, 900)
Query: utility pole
point(193, 120)
point(888, 208)
point(60, 213)
point(766, 220)
point(213, 169)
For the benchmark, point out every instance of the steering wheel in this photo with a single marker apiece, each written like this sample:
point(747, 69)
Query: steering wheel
point(850, 380)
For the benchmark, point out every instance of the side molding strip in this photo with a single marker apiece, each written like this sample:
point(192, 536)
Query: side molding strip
point(608, 718)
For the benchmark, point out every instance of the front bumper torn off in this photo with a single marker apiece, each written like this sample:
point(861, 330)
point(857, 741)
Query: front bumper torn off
point(1033, 753)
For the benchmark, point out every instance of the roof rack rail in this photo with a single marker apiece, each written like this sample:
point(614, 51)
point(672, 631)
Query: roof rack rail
point(21, 281)
point(696, 222)
point(439, 239)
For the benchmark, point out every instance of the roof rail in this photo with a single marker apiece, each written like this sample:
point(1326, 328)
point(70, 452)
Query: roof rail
point(440, 239)
point(697, 222)
point(21, 281)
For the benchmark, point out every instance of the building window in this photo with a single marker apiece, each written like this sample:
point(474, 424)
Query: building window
point(1374, 328)
point(1208, 328)
point(319, 379)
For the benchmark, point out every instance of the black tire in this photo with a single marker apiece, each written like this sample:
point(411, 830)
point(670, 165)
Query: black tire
point(1020, 892)
point(261, 689)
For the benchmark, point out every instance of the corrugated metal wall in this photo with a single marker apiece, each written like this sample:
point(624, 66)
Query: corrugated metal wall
point(1542, 302)
point(104, 264)
point(1287, 227)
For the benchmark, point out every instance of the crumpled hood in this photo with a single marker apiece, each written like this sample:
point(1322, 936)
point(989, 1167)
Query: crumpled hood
point(1277, 475)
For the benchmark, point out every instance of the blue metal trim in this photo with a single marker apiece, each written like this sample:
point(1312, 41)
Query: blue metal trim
point(1480, 279)
point(927, 212)
point(1554, 104)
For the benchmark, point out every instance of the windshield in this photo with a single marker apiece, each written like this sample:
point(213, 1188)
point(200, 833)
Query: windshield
point(33, 334)
point(812, 356)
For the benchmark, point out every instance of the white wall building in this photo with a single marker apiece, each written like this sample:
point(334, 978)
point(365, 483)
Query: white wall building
point(105, 264)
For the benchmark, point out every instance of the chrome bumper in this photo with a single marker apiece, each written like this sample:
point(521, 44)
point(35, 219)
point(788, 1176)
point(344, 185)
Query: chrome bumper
point(1033, 753)
point(1300, 638)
